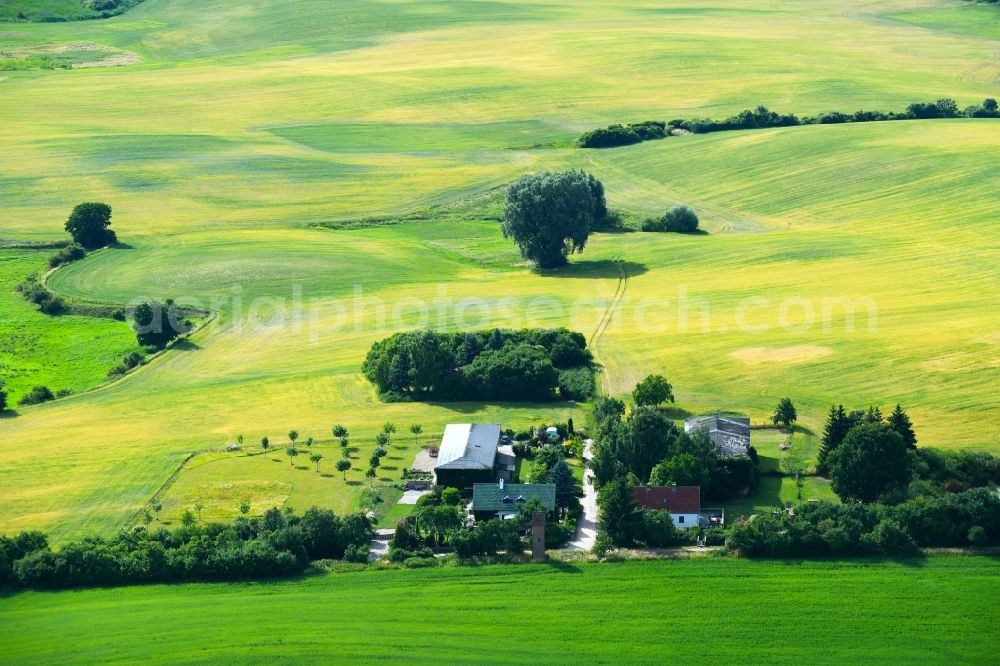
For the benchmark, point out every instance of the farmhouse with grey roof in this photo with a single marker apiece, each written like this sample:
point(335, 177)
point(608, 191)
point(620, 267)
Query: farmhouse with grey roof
point(467, 455)
point(730, 433)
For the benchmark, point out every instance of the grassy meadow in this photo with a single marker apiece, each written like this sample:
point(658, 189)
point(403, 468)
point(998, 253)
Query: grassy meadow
point(65, 352)
point(247, 126)
point(941, 610)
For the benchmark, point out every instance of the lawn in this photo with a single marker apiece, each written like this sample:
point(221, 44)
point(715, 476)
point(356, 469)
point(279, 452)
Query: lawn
point(936, 611)
point(237, 137)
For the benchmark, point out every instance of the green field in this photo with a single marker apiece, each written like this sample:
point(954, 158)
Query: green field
point(248, 124)
point(940, 611)
point(65, 352)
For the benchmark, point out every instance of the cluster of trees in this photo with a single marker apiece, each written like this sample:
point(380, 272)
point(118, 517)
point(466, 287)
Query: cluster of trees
point(275, 544)
point(90, 225)
point(824, 528)
point(550, 215)
point(840, 422)
point(762, 117)
point(679, 218)
point(647, 448)
point(156, 324)
point(521, 365)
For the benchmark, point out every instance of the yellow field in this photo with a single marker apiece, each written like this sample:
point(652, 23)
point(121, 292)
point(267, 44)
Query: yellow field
point(247, 123)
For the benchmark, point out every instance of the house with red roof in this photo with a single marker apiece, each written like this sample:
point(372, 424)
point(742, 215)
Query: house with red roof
point(682, 502)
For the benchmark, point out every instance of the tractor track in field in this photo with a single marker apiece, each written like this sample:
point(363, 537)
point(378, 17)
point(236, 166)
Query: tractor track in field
point(605, 321)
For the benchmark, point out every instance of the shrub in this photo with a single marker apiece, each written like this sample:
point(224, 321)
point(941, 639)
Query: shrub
point(37, 395)
point(889, 538)
point(156, 324)
point(978, 536)
point(69, 254)
point(3, 397)
point(680, 218)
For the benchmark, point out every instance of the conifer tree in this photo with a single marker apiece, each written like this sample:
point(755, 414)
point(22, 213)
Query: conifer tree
point(900, 422)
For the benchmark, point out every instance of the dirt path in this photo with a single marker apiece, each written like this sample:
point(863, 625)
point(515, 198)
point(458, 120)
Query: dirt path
point(605, 321)
point(586, 527)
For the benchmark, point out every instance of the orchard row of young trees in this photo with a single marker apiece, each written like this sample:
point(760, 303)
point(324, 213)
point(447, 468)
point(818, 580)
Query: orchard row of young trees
point(762, 117)
point(498, 364)
point(275, 544)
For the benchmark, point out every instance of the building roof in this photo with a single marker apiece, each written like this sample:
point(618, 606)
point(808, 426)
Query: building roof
point(468, 446)
point(675, 499)
point(509, 496)
point(730, 433)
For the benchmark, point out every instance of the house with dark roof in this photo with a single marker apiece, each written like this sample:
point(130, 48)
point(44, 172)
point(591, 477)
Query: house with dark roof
point(683, 503)
point(492, 500)
point(468, 455)
point(731, 434)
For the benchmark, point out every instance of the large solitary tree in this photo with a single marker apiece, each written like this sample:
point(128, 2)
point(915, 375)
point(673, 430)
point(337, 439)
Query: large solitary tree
point(88, 225)
point(550, 215)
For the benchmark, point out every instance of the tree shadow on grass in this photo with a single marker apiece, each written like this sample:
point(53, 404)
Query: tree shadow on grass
point(306, 467)
point(389, 468)
point(9, 414)
point(354, 483)
point(675, 413)
point(562, 567)
point(600, 269)
point(185, 345)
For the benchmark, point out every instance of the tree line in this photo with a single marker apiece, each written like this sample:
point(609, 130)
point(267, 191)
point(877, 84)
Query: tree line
point(762, 117)
point(970, 518)
point(273, 545)
point(500, 364)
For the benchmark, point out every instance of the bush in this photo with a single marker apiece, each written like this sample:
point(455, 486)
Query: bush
point(656, 530)
point(978, 536)
point(33, 291)
point(69, 254)
point(37, 395)
point(680, 218)
point(889, 538)
point(133, 360)
point(3, 397)
point(156, 324)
